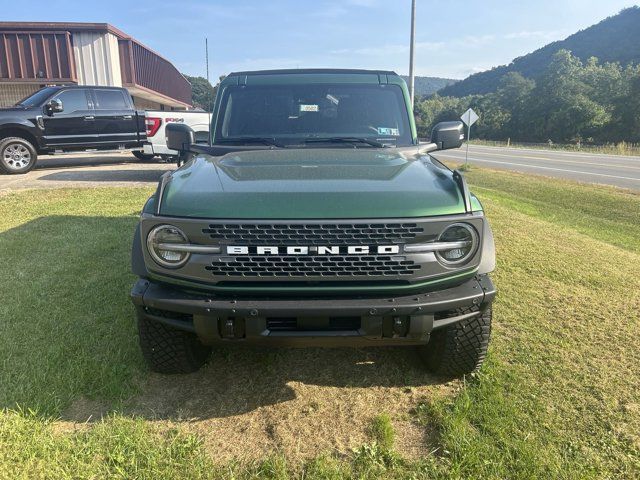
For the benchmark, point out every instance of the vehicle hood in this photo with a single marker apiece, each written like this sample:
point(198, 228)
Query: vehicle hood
point(308, 183)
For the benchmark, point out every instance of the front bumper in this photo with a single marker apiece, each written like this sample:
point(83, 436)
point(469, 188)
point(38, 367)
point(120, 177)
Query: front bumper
point(398, 320)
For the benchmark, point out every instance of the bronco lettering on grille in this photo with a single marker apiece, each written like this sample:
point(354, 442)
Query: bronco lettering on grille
point(314, 250)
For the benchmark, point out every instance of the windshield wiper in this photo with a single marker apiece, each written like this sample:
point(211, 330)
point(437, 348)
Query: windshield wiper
point(244, 140)
point(368, 141)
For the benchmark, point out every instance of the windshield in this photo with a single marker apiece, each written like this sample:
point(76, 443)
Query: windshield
point(293, 114)
point(37, 98)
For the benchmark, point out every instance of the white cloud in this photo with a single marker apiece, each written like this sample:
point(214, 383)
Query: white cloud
point(373, 51)
point(430, 46)
point(542, 34)
point(476, 40)
point(363, 3)
point(267, 63)
point(389, 49)
point(330, 11)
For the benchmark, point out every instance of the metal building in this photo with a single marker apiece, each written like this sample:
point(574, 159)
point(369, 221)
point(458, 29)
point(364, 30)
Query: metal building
point(35, 54)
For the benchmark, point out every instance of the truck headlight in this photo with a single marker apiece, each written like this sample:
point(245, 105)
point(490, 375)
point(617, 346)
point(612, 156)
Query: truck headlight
point(160, 242)
point(465, 239)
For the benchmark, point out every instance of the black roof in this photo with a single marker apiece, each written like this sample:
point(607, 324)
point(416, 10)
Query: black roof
point(312, 71)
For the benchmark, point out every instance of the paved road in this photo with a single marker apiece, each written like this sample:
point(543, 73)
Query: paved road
point(617, 170)
point(115, 169)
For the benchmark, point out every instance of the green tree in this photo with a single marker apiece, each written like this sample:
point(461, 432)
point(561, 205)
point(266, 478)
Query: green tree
point(590, 102)
point(203, 94)
point(627, 111)
point(436, 109)
point(514, 97)
point(624, 99)
point(565, 109)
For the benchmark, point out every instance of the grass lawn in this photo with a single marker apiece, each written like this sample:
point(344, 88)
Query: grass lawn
point(559, 396)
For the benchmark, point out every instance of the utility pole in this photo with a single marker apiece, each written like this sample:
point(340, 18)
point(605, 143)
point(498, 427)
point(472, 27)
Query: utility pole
point(412, 51)
point(206, 53)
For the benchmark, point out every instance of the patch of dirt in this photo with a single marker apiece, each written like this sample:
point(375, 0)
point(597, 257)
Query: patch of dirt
point(247, 403)
point(85, 410)
point(80, 415)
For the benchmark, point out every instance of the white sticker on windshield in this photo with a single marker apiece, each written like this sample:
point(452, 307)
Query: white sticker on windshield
point(309, 108)
point(388, 131)
point(332, 99)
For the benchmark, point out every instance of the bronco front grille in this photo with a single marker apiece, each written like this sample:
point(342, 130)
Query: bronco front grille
point(313, 266)
point(313, 234)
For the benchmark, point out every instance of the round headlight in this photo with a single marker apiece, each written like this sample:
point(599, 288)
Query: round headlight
point(159, 244)
point(465, 239)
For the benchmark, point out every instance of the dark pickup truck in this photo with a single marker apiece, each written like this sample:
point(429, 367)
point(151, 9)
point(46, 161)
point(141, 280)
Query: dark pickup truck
point(68, 118)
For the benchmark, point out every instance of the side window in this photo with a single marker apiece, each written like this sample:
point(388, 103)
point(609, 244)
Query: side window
point(73, 100)
point(110, 100)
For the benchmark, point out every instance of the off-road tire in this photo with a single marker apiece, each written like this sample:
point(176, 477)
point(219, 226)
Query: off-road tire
point(460, 348)
point(143, 157)
point(7, 166)
point(169, 350)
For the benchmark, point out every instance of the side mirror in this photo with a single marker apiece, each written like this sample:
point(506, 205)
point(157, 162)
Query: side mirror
point(448, 135)
point(54, 106)
point(179, 137)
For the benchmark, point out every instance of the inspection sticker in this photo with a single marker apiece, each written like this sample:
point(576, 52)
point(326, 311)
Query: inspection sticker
point(309, 108)
point(388, 131)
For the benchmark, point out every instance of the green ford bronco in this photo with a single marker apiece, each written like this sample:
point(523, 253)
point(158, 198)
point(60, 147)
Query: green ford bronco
point(315, 217)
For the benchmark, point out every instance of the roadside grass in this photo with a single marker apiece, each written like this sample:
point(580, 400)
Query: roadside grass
point(602, 213)
point(559, 396)
point(622, 148)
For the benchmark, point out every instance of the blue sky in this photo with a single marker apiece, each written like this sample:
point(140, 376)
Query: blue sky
point(454, 39)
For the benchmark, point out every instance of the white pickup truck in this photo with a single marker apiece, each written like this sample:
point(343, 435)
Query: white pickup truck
point(157, 120)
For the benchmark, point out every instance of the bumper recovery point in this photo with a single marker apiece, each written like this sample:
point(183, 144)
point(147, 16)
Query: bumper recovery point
point(336, 321)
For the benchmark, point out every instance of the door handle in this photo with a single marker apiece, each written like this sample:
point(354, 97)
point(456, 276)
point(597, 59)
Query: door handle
point(89, 118)
point(127, 117)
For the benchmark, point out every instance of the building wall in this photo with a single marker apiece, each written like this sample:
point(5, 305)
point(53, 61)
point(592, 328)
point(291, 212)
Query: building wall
point(34, 54)
point(145, 104)
point(97, 59)
point(10, 93)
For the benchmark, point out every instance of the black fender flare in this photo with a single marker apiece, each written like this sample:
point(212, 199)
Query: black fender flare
point(488, 261)
point(138, 266)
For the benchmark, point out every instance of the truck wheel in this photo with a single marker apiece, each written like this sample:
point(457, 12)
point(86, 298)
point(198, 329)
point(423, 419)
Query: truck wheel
point(144, 157)
point(17, 155)
point(169, 350)
point(460, 348)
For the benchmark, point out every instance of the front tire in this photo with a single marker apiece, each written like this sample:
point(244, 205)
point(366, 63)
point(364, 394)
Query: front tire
point(17, 155)
point(460, 348)
point(169, 350)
